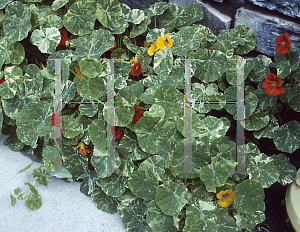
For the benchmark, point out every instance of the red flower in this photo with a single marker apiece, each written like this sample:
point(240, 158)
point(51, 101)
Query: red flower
point(138, 114)
point(118, 132)
point(2, 80)
point(56, 121)
point(136, 69)
point(209, 48)
point(272, 85)
point(113, 46)
point(64, 33)
point(283, 43)
point(64, 39)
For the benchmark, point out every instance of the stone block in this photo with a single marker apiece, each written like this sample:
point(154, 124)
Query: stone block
point(212, 18)
point(290, 8)
point(267, 28)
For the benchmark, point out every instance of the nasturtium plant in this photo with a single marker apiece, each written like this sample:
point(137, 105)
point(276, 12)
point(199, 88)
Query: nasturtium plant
point(126, 75)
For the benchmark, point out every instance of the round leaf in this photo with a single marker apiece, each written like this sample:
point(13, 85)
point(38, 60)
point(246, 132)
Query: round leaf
point(171, 197)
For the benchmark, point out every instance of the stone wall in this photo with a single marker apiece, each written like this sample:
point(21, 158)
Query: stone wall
point(267, 18)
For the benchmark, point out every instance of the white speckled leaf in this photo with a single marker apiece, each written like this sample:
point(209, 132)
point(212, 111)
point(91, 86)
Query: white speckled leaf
point(188, 38)
point(16, 21)
point(248, 197)
point(287, 137)
point(80, 18)
point(286, 170)
point(46, 39)
point(171, 197)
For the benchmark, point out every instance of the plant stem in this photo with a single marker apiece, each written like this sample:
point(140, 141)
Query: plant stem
point(155, 21)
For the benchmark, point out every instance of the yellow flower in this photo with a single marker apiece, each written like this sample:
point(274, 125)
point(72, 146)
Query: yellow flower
point(146, 44)
point(164, 42)
point(132, 60)
point(81, 145)
point(153, 48)
point(224, 194)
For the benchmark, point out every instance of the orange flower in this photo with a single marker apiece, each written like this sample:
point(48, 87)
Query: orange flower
point(136, 69)
point(224, 194)
point(209, 48)
point(283, 43)
point(272, 85)
point(77, 70)
point(115, 45)
point(83, 149)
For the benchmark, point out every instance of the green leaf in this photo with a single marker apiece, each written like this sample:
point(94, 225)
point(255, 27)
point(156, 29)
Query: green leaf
point(171, 197)
point(247, 221)
point(90, 67)
point(293, 98)
point(95, 44)
point(140, 28)
point(250, 105)
point(88, 109)
point(258, 120)
point(34, 202)
point(261, 68)
point(114, 185)
point(109, 13)
point(173, 17)
point(286, 170)
point(263, 170)
point(264, 100)
point(129, 147)
point(123, 113)
point(188, 38)
point(129, 45)
point(97, 131)
point(91, 89)
point(214, 174)
point(80, 18)
point(248, 39)
point(47, 18)
point(135, 16)
point(157, 220)
point(74, 161)
point(195, 13)
point(32, 188)
point(154, 164)
point(157, 8)
point(88, 183)
point(211, 64)
point(163, 61)
point(16, 53)
point(13, 200)
point(9, 87)
point(16, 21)
point(248, 196)
point(224, 151)
point(133, 213)
point(46, 39)
point(289, 63)
point(200, 157)
point(171, 100)
point(103, 202)
point(71, 127)
point(34, 120)
point(58, 4)
point(287, 137)
point(24, 169)
point(143, 184)
point(41, 176)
